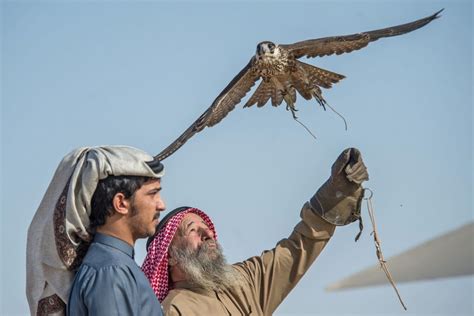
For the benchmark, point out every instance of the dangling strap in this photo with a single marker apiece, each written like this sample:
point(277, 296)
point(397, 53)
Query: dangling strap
point(378, 247)
point(361, 228)
point(306, 128)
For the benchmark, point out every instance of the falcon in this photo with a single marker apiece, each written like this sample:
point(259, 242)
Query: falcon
point(283, 76)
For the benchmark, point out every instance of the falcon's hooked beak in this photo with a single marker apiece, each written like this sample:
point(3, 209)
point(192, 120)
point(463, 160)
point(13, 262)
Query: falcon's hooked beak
point(265, 48)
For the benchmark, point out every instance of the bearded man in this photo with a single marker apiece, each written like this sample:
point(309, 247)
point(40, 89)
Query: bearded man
point(189, 274)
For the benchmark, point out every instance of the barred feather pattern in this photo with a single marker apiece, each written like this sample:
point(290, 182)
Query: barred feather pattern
point(304, 79)
point(261, 95)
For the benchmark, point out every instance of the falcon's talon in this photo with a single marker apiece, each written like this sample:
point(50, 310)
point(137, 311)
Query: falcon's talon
point(293, 110)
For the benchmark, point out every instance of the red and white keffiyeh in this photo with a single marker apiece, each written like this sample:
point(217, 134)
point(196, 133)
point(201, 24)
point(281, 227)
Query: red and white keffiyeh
point(155, 265)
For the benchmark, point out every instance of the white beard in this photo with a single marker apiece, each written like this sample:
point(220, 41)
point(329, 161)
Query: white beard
point(206, 267)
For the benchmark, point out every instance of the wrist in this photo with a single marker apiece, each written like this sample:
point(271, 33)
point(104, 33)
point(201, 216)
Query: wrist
point(337, 206)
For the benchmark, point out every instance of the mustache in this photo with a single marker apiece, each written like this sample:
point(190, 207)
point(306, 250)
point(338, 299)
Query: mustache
point(206, 244)
point(156, 216)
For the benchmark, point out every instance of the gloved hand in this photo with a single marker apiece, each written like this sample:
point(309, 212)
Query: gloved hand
point(339, 199)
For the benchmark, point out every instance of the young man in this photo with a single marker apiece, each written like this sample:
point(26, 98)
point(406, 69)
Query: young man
point(190, 276)
point(101, 200)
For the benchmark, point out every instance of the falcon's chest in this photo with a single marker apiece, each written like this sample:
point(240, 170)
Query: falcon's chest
point(273, 65)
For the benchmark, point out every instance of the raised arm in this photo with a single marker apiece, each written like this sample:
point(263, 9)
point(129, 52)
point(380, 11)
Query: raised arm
point(273, 274)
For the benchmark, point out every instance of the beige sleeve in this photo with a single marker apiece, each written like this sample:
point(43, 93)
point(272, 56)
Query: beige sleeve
point(274, 273)
point(171, 310)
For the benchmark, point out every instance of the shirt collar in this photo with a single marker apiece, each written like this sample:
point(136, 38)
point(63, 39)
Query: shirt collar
point(115, 243)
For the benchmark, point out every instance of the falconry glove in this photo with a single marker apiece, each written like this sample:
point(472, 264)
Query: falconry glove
point(338, 200)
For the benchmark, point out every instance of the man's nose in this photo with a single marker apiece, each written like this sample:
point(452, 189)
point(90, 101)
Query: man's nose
point(206, 234)
point(160, 205)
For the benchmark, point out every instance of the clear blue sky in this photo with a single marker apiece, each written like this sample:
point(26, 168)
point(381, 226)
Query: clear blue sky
point(90, 73)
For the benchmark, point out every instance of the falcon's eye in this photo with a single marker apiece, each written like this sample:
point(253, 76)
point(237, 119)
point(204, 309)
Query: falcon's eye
point(271, 46)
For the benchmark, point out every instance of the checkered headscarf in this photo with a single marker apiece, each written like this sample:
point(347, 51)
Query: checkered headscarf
point(155, 265)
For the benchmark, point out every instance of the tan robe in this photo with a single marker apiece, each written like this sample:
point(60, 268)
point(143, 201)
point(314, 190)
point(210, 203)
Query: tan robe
point(268, 277)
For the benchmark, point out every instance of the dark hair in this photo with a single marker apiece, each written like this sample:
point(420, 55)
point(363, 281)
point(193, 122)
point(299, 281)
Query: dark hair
point(101, 203)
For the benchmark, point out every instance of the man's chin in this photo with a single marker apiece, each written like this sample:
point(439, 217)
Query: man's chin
point(212, 246)
point(213, 253)
point(153, 225)
point(150, 232)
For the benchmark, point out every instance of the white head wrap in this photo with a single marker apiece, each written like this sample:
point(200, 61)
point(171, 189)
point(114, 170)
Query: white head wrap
point(58, 237)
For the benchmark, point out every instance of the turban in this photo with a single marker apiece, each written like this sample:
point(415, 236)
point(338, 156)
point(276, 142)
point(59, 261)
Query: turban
point(58, 236)
point(155, 265)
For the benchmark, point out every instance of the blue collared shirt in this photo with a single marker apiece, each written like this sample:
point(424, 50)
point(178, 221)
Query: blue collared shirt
point(109, 282)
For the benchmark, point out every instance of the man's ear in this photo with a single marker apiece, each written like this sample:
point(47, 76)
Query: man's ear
point(171, 261)
point(121, 204)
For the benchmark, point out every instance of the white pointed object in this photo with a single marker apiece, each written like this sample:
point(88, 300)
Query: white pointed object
point(448, 255)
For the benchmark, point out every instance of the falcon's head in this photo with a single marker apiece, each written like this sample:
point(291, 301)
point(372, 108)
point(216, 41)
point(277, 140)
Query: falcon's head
point(267, 49)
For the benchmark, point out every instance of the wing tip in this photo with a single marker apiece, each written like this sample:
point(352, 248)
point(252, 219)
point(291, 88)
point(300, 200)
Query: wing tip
point(437, 14)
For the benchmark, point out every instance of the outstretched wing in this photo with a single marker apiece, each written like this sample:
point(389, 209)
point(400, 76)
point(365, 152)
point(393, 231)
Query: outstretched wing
point(345, 44)
point(222, 105)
